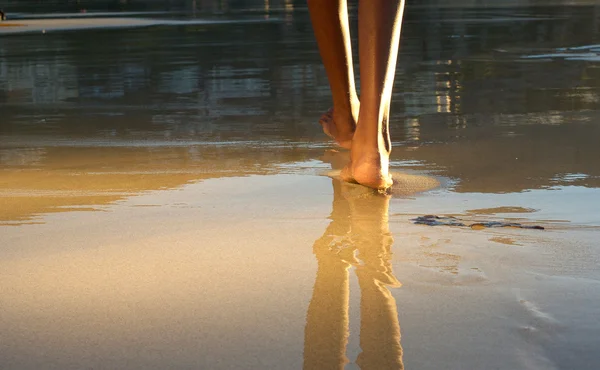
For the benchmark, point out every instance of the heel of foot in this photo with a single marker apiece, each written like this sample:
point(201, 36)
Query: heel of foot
point(369, 173)
point(374, 180)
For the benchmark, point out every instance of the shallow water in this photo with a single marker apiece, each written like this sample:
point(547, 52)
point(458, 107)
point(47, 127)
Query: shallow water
point(164, 198)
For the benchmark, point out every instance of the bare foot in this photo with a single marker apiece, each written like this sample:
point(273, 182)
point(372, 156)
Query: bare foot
point(339, 126)
point(370, 169)
point(370, 159)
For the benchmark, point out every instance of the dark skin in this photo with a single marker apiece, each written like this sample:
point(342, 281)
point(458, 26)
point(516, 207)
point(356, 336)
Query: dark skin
point(330, 24)
point(366, 134)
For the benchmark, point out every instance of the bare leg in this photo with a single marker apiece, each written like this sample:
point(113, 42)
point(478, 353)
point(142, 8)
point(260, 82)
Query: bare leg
point(330, 24)
point(379, 23)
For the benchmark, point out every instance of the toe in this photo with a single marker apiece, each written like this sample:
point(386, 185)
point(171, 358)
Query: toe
point(326, 121)
point(327, 117)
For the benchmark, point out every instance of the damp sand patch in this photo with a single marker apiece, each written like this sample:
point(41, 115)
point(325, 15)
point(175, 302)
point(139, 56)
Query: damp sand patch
point(496, 210)
point(79, 24)
point(64, 24)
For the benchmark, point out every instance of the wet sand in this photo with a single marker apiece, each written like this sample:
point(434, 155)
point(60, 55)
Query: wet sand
point(83, 22)
point(221, 274)
point(167, 200)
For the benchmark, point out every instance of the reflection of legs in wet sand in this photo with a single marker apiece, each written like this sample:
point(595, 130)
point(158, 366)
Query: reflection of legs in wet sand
point(379, 326)
point(359, 223)
point(379, 24)
point(326, 331)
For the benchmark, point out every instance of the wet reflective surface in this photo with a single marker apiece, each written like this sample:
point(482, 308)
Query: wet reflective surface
point(164, 199)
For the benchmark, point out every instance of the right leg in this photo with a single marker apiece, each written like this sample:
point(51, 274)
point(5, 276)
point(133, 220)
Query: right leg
point(379, 23)
point(330, 24)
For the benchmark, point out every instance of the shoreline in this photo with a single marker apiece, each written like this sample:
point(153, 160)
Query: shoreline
point(22, 26)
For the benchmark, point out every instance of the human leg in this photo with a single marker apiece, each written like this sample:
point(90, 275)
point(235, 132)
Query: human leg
point(330, 25)
point(379, 24)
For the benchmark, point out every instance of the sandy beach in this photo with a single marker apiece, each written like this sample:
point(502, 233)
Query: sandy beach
point(155, 279)
point(169, 201)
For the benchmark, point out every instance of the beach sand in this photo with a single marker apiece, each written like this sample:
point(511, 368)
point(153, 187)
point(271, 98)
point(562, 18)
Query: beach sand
point(205, 271)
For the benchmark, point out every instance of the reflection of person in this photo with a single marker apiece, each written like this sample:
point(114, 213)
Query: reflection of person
point(359, 225)
point(360, 126)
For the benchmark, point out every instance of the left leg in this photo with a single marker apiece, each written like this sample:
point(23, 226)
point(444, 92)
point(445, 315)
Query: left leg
point(330, 24)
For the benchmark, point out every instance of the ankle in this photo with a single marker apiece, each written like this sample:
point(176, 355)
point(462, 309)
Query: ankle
point(347, 108)
point(372, 139)
point(372, 146)
point(344, 121)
